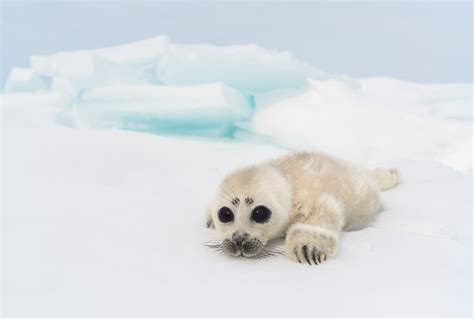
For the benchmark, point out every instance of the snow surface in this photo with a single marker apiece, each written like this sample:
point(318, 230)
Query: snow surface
point(373, 119)
point(111, 221)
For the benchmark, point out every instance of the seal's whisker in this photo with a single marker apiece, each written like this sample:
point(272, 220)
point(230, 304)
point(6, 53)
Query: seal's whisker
point(277, 252)
point(273, 251)
point(215, 247)
point(224, 197)
point(215, 244)
point(229, 196)
point(222, 251)
point(227, 193)
point(263, 254)
point(213, 241)
point(222, 247)
point(232, 191)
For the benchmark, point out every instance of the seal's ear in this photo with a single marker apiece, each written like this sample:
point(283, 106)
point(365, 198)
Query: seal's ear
point(209, 221)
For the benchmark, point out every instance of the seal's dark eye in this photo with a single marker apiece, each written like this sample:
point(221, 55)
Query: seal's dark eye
point(260, 214)
point(225, 215)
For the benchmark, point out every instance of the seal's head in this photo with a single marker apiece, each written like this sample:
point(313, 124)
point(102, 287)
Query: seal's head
point(251, 207)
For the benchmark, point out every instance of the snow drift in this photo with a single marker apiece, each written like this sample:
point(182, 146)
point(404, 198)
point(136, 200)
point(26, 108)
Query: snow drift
point(372, 119)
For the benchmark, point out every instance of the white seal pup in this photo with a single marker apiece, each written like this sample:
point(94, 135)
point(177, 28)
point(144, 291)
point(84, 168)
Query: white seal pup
point(308, 198)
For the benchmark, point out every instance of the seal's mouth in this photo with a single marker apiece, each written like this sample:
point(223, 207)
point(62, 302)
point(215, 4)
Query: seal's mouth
point(242, 253)
point(253, 249)
point(246, 248)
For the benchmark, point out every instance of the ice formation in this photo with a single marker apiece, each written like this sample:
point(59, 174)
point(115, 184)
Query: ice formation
point(157, 86)
point(140, 55)
point(207, 109)
point(84, 70)
point(239, 91)
point(24, 80)
point(248, 68)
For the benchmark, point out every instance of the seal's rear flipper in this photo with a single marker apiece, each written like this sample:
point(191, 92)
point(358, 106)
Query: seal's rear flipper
point(387, 178)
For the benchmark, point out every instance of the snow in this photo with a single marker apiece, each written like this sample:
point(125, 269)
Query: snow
point(112, 223)
point(372, 119)
point(101, 219)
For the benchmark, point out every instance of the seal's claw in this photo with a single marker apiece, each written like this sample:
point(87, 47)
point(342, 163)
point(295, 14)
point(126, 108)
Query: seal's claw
point(312, 246)
point(305, 254)
point(316, 257)
point(296, 254)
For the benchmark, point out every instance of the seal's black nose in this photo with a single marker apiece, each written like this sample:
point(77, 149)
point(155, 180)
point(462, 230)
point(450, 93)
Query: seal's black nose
point(239, 238)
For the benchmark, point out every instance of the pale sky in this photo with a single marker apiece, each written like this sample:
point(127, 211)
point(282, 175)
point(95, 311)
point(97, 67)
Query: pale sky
point(425, 42)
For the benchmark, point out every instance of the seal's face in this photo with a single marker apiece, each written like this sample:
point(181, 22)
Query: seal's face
point(244, 233)
point(252, 207)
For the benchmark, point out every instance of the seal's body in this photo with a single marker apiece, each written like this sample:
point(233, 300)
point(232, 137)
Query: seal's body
point(307, 197)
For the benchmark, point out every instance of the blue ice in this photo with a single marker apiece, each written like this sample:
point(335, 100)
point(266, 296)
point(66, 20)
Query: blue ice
point(207, 109)
point(158, 86)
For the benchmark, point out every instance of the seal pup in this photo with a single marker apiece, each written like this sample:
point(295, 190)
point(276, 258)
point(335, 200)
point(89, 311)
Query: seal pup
point(308, 198)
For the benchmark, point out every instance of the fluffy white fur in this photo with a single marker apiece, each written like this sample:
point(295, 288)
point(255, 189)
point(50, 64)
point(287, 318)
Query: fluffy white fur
point(312, 197)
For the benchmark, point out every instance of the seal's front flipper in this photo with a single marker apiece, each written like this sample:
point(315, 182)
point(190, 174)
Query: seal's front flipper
point(312, 244)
